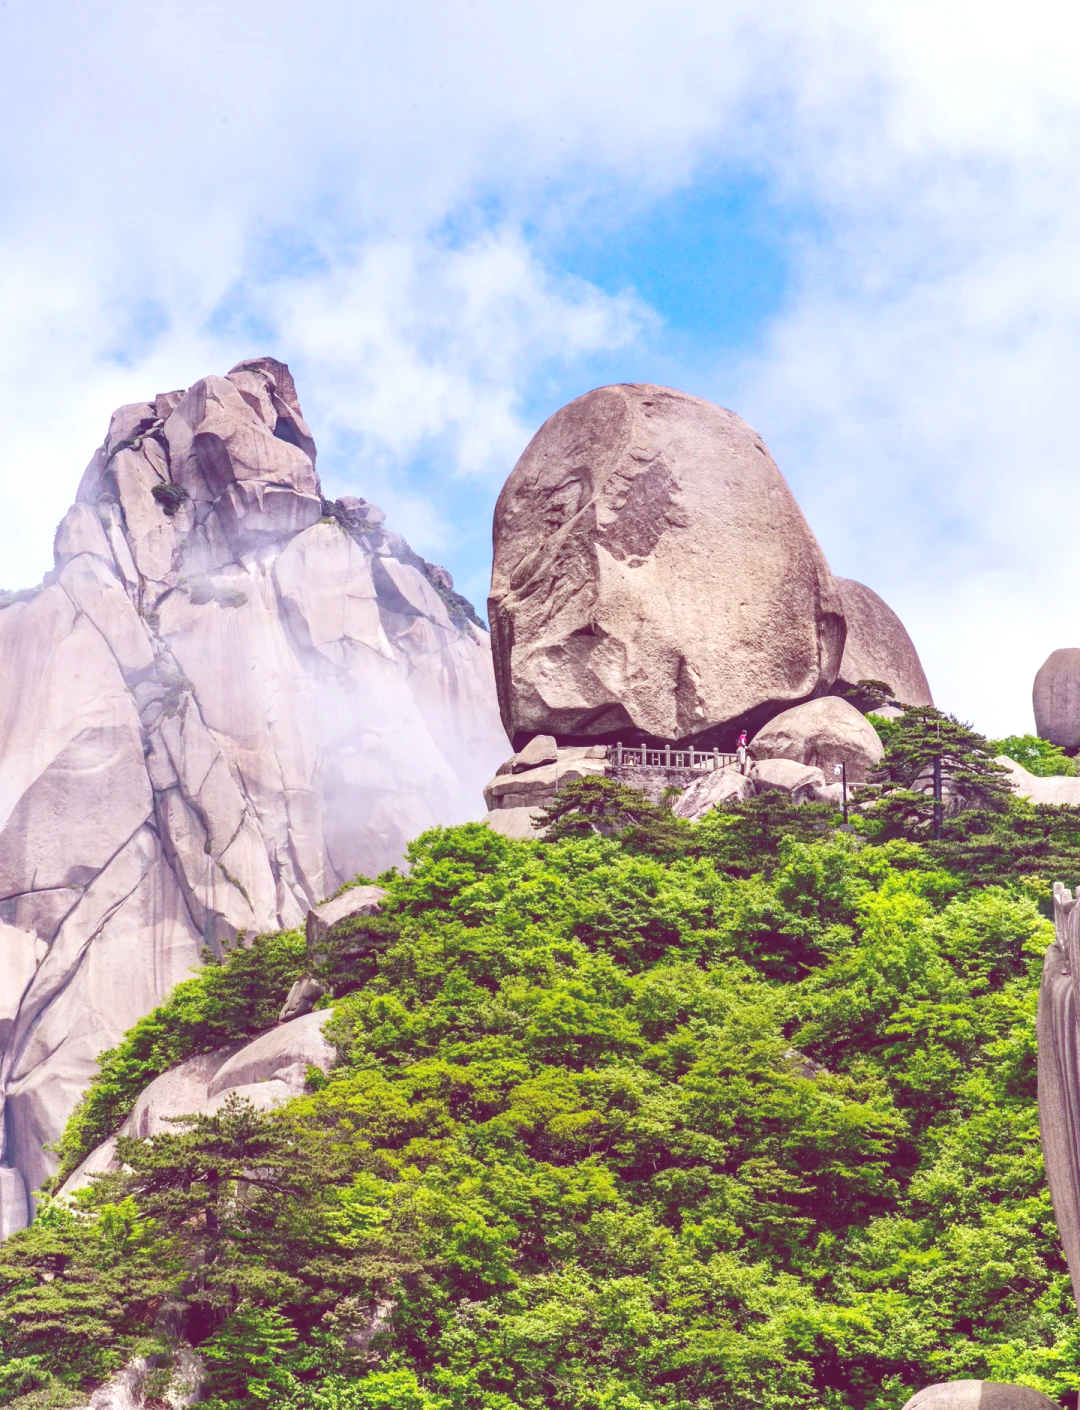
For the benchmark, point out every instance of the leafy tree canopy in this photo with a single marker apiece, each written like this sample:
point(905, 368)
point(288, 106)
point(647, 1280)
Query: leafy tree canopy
point(643, 1115)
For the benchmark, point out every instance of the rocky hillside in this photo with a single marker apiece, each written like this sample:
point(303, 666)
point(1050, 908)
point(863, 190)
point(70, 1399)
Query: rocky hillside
point(229, 697)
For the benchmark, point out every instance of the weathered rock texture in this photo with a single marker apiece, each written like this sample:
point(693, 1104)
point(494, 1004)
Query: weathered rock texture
point(1056, 698)
point(266, 1071)
point(531, 778)
point(654, 577)
point(979, 1395)
point(878, 648)
point(1056, 789)
point(230, 697)
point(1059, 1076)
point(823, 732)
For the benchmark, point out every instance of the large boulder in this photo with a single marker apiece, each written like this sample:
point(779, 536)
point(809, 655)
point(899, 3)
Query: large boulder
point(824, 733)
point(979, 1395)
point(654, 576)
point(1056, 698)
point(878, 648)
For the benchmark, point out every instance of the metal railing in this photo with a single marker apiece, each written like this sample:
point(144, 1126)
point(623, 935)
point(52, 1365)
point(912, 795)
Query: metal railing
point(668, 757)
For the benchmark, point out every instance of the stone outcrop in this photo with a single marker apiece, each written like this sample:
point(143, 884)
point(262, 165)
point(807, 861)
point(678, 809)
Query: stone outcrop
point(710, 791)
point(1058, 789)
point(229, 697)
point(877, 648)
point(1056, 698)
point(979, 1395)
point(1059, 1076)
point(266, 1071)
point(654, 577)
point(532, 777)
point(823, 733)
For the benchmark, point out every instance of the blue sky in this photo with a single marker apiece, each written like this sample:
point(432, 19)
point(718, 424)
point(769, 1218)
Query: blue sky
point(856, 226)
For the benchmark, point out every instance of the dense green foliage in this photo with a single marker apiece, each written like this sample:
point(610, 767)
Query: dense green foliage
point(736, 1115)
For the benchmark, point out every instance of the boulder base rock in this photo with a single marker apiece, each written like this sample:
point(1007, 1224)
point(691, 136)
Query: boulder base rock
point(878, 648)
point(232, 697)
point(266, 1071)
point(718, 786)
point(979, 1395)
point(823, 733)
point(654, 577)
point(1056, 698)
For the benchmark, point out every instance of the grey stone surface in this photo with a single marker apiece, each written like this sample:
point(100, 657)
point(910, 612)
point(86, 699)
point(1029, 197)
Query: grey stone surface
point(533, 787)
point(704, 794)
point(786, 774)
point(1060, 790)
point(877, 647)
point(283, 1053)
point(1059, 1076)
point(822, 732)
point(14, 1204)
point(301, 998)
point(541, 749)
point(266, 1071)
point(979, 1395)
point(653, 573)
point(517, 823)
point(1056, 698)
point(221, 717)
point(354, 901)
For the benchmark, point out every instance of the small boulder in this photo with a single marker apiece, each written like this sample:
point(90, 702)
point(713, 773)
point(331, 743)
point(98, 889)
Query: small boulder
point(302, 998)
point(353, 901)
point(1056, 698)
point(541, 749)
point(283, 1053)
point(877, 647)
point(787, 775)
point(979, 1395)
point(705, 793)
point(824, 733)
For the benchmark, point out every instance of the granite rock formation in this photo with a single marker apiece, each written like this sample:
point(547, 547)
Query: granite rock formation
point(229, 697)
point(654, 578)
point(823, 732)
point(266, 1071)
point(979, 1395)
point(1059, 789)
point(1059, 1076)
point(877, 648)
point(1056, 698)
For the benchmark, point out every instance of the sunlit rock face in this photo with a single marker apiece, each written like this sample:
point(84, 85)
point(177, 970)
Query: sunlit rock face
point(655, 578)
point(230, 697)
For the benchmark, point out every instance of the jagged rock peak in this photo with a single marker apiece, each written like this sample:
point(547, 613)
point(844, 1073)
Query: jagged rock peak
point(232, 697)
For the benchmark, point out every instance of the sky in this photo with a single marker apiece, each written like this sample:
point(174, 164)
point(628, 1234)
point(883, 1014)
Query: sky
point(856, 225)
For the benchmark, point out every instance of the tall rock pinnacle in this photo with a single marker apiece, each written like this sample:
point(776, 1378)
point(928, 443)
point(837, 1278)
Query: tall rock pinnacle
point(229, 698)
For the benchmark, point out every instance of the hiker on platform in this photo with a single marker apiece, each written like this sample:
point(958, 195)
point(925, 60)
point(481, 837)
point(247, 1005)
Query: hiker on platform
point(740, 753)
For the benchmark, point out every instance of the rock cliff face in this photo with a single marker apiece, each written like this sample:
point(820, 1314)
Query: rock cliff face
point(229, 697)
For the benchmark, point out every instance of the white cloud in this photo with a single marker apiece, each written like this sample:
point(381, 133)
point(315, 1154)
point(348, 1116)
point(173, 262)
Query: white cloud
point(917, 387)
